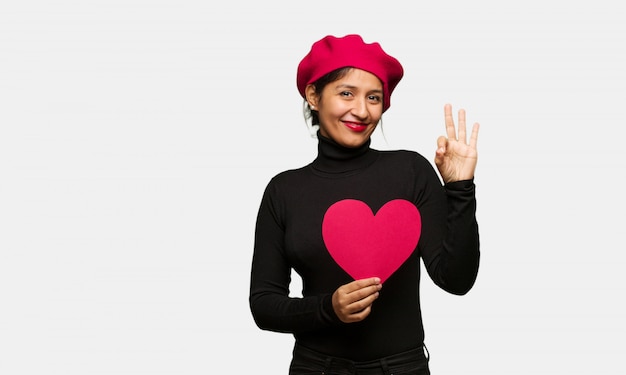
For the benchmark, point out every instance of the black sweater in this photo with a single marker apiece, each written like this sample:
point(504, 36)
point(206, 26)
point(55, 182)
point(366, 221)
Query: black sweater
point(289, 235)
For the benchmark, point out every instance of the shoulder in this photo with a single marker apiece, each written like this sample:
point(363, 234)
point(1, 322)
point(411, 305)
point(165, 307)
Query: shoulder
point(405, 157)
point(288, 179)
point(289, 175)
point(411, 165)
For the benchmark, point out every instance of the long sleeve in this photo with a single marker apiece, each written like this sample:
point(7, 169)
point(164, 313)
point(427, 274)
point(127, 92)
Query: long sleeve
point(455, 268)
point(272, 307)
point(289, 237)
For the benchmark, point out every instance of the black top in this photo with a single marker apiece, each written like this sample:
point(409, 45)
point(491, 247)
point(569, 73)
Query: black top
point(291, 233)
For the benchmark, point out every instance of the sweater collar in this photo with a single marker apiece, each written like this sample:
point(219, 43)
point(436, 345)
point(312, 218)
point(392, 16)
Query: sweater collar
point(334, 158)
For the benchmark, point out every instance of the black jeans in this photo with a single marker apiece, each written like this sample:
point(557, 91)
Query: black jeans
point(306, 361)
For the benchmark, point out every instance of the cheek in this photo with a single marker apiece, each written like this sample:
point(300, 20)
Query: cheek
point(332, 114)
point(376, 111)
point(376, 115)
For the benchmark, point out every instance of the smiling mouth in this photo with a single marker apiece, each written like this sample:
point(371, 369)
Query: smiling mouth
point(354, 126)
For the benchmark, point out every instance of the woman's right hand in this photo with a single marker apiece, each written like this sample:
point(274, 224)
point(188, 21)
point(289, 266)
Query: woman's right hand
point(352, 302)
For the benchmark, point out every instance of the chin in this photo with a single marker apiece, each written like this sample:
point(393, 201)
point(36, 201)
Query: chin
point(348, 138)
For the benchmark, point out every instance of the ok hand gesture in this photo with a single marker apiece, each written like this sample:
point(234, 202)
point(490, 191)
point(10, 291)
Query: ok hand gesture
point(455, 158)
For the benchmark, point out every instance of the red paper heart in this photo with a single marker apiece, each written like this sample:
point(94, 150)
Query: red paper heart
point(368, 245)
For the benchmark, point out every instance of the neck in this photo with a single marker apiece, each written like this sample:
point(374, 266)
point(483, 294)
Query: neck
point(334, 158)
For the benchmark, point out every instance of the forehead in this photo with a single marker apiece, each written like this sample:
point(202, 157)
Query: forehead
point(359, 78)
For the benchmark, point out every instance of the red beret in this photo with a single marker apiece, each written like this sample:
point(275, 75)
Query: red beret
point(331, 53)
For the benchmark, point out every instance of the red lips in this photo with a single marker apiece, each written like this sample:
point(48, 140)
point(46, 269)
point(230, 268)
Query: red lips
point(355, 126)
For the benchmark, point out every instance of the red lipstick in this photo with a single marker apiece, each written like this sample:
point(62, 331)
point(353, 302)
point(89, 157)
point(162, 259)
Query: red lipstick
point(355, 126)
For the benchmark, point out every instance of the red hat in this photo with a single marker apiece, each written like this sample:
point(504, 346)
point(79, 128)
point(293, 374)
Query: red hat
point(331, 53)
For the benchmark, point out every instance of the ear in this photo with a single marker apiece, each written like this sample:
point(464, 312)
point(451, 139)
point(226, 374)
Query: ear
point(311, 96)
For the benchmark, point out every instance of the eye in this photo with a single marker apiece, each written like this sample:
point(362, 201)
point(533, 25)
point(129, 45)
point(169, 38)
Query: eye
point(345, 93)
point(374, 98)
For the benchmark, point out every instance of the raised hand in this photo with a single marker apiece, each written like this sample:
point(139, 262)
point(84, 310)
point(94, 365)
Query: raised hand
point(455, 158)
point(352, 302)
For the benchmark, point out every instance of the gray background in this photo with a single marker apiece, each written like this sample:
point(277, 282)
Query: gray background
point(137, 137)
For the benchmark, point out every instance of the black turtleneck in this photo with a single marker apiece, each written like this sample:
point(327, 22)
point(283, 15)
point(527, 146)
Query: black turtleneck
point(333, 158)
point(289, 236)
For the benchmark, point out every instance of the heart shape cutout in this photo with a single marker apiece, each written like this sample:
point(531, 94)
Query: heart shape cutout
point(368, 245)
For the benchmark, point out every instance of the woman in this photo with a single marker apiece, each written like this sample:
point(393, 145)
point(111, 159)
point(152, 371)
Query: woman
point(356, 221)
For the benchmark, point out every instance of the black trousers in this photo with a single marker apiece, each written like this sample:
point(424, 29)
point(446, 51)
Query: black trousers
point(306, 361)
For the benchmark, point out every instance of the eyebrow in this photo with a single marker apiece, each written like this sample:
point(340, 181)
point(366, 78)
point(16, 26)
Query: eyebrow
point(346, 86)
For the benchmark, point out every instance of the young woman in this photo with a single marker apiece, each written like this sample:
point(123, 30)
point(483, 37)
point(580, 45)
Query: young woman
point(355, 222)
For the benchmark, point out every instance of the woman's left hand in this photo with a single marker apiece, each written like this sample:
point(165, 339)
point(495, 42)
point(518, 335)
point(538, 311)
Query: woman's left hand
point(455, 158)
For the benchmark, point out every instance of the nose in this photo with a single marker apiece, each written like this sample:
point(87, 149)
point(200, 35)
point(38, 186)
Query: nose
point(360, 109)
